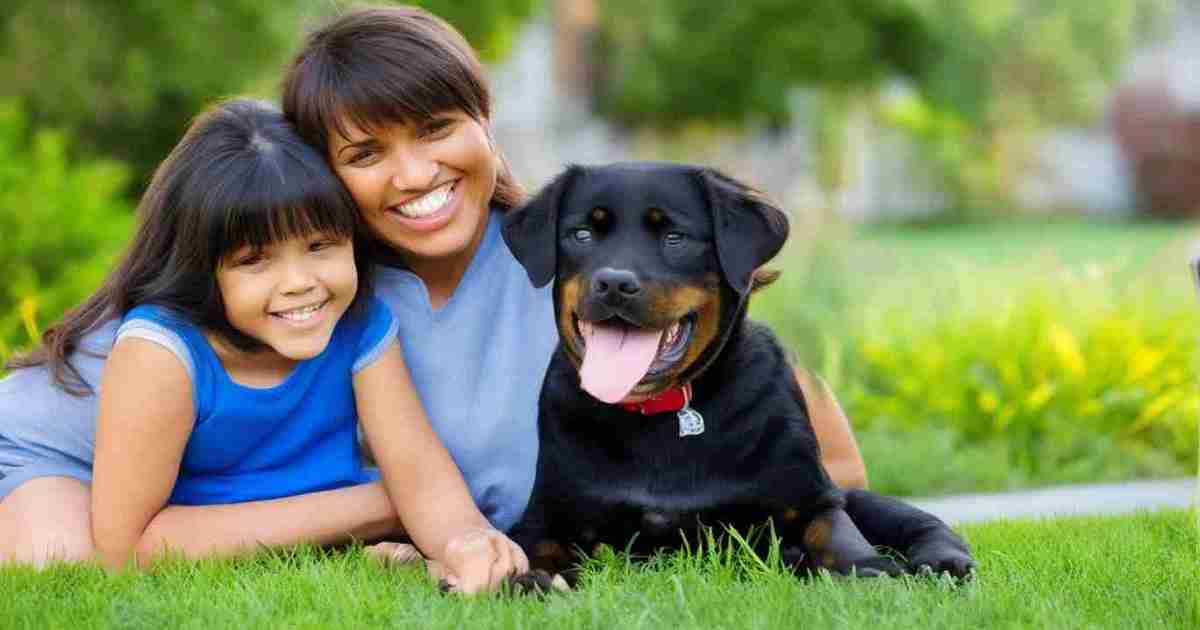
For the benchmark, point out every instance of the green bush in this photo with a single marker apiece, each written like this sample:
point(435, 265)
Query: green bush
point(63, 225)
point(1001, 356)
point(1065, 371)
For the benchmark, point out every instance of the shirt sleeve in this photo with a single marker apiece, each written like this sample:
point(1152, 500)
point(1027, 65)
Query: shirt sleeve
point(378, 334)
point(161, 335)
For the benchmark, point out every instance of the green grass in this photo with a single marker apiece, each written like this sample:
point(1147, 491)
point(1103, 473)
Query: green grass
point(1136, 571)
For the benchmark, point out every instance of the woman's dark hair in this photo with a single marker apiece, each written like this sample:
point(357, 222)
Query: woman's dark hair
point(375, 66)
point(241, 176)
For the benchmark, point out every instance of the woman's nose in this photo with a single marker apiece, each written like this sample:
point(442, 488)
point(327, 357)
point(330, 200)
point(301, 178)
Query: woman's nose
point(414, 172)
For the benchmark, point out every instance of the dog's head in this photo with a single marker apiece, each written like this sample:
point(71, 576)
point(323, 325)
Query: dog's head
point(653, 264)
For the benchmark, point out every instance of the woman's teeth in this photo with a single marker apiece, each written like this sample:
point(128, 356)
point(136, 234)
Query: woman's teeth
point(427, 204)
point(301, 314)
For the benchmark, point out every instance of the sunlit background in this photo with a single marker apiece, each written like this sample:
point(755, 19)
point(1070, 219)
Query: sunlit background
point(992, 200)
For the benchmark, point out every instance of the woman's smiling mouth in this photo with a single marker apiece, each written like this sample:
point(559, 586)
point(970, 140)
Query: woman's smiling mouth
point(430, 210)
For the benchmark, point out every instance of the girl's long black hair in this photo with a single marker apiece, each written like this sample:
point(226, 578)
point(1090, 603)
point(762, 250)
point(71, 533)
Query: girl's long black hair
point(241, 176)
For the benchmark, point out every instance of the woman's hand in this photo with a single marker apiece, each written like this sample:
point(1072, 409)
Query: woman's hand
point(479, 560)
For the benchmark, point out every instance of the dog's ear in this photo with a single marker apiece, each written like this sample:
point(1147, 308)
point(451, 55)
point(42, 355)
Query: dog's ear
point(748, 229)
point(531, 230)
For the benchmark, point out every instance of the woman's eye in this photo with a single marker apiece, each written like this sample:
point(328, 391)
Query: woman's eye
point(317, 246)
point(674, 238)
point(582, 235)
point(360, 157)
point(437, 129)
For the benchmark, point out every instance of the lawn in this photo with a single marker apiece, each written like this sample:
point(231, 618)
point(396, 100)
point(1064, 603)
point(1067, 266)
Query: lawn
point(1136, 571)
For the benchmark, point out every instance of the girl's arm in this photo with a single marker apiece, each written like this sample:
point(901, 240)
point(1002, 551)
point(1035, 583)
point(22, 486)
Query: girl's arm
point(145, 418)
point(426, 487)
point(839, 450)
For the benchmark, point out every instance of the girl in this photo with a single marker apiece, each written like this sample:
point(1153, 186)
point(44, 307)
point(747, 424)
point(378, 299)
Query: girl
point(247, 343)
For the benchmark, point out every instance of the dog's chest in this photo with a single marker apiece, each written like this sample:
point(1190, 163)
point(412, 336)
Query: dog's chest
point(654, 486)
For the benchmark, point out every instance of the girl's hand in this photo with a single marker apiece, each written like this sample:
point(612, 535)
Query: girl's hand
point(479, 560)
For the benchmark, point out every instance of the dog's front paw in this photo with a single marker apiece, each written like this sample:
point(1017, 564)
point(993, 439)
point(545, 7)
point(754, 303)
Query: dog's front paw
point(940, 556)
point(537, 582)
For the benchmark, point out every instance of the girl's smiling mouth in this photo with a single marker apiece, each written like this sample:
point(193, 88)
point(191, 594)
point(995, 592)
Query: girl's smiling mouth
point(303, 315)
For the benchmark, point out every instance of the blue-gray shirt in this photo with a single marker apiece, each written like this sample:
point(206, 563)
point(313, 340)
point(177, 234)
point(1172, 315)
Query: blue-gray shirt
point(477, 362)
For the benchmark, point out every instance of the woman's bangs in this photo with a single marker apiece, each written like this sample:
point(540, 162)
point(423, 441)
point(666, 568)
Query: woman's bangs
point(370, 97)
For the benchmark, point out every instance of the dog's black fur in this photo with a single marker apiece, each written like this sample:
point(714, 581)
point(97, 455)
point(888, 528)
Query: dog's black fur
point(653, 244)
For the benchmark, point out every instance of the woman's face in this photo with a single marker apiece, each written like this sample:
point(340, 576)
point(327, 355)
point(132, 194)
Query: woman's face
point(423, 187)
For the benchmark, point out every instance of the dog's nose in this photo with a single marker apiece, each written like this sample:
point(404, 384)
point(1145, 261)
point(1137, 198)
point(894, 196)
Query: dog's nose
point(615, 282)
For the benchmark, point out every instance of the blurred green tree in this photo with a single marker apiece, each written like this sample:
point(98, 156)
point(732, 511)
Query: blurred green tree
point(490, 25)
point(983, 73)
point(63, 221)
point(125, 78)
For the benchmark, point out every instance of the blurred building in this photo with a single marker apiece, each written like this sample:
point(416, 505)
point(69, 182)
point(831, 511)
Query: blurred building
point(543, 122)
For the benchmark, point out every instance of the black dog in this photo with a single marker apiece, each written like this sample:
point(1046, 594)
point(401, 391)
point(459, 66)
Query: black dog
point(664, 408)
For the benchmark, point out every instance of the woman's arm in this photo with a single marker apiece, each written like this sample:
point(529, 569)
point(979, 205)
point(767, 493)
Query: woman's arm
point(426, 487)
point(145, 418)
point(839, 450)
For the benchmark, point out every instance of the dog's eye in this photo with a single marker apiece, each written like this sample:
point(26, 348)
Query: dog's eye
point(582, 235)
point(673, 238)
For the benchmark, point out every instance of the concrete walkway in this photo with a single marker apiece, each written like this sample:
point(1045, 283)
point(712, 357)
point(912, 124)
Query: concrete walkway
point(1116, 498)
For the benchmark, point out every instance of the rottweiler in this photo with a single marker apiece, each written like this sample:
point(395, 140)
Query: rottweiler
point(664, 408)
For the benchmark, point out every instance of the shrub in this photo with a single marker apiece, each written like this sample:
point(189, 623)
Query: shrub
point(1079, 380)
point(63, 225)
point(1001, 355)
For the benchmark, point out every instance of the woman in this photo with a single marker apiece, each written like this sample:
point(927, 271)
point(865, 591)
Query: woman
point(398, 102)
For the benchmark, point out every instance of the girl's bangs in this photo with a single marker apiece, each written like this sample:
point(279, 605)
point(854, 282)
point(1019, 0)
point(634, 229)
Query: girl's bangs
point(282, 208)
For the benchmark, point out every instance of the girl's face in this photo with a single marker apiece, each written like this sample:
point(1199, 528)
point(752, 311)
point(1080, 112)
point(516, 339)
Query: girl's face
point(423, 187)
point(290, 294)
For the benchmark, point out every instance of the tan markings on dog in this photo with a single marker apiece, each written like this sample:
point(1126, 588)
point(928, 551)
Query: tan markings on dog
point(708, 322)
point(816, 536)
point(828, 559)
point(569, 291)
point(551, 552)
point(655, 217)
point(599, 215)
point(791, 515)
point(763, 277)
point(673, 305)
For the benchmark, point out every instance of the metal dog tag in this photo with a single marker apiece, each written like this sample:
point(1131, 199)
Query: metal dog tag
point(690, 422)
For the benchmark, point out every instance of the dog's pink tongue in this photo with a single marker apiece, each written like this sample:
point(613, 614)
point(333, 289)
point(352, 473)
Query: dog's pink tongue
point(616, 358)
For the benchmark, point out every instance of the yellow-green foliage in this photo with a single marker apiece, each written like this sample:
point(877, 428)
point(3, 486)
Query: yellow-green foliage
point(1056, 367)
point(63, 224)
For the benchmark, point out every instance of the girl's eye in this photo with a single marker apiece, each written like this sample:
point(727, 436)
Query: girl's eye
point(249, 260)
point(673, 238)
point(582, 235)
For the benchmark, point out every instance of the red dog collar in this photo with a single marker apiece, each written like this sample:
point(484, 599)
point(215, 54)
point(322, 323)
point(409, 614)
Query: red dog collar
point(673, 399)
